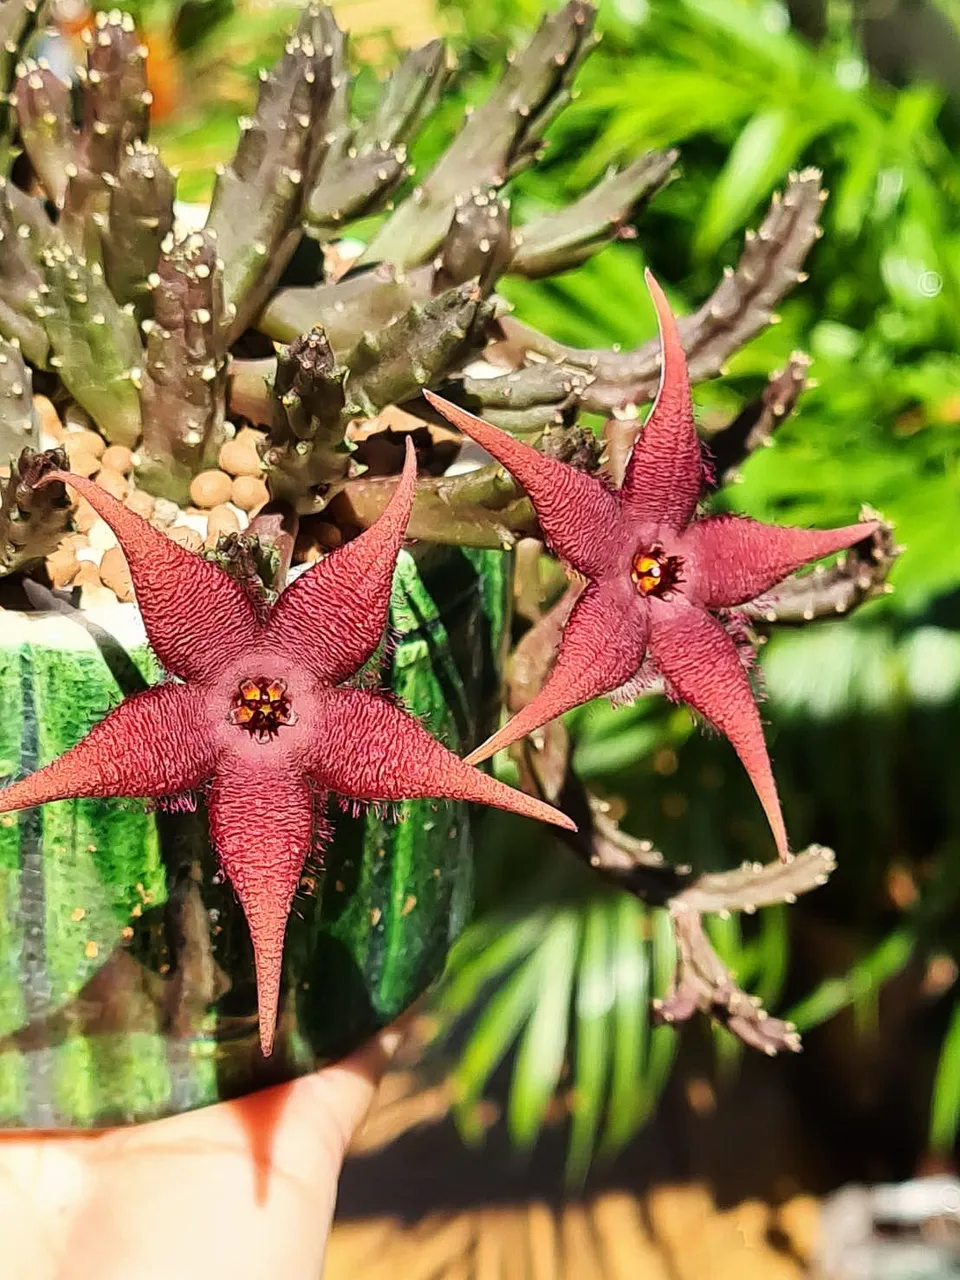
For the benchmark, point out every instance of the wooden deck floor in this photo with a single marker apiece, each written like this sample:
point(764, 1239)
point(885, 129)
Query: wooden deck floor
point(727, 1196)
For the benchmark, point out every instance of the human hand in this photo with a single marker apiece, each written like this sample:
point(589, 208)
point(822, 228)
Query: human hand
point(244, 1189)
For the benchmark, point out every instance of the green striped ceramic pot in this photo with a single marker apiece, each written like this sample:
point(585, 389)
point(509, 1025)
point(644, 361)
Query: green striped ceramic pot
point(127, 986)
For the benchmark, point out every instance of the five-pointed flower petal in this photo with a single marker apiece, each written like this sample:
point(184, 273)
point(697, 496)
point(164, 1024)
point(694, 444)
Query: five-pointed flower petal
point(259, 720)
point(654, 571)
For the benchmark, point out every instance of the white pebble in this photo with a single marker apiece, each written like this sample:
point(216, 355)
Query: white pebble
point(101, 538)
point(197, 523)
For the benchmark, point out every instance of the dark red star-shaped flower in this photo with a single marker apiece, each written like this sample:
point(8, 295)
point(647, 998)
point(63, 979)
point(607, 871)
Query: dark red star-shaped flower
point(257, 716)
point(655, 573)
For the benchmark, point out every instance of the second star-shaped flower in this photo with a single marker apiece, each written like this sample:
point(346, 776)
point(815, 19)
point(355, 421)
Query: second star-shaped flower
point(259, 722)
point(655, 573)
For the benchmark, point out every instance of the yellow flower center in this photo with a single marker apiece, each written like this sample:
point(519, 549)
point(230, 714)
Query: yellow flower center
point(261, 706)
point(654, 573)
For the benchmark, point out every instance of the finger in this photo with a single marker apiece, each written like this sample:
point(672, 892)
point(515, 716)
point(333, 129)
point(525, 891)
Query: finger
point(246, 1188)
point(43, 1181)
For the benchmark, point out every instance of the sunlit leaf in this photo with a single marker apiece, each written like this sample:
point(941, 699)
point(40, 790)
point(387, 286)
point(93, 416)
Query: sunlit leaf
point(945, 1106)
point(882, 963)
point(630, 961)
point(491, 1037)
point(594, 1003)
point(767, 148)
point(543, 1044)
point(507, 943)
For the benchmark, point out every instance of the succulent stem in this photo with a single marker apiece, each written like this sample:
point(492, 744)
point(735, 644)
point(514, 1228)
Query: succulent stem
point(362, 302)
point(831, 591)
point(32, 520)
point(756, 422)
point(740, 306)
point(393, 364)
point(95, 347)
point(139, 218)
point(308, 420)
point(477, 244)
point(259, 198)
point(45, 119)
point(501, 137)
point(481, 508)
point(19, 427)
point(365, 165)
point(184, 390)
point(115, 106)
point(21, 275)
point(560, 241)
point(386, 367)
point(19, 20)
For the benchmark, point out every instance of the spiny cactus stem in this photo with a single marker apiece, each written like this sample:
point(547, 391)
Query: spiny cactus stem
point(477, 244)
point(249, 392)
point(19, 425)
point(392, 365)
point(362, 303)
point(559, 241)
point(702, 982)
point(526, 401)
point(755, 424)
point(139, 218)
point(19, 19)
point(42, 102)
point(482, 508)
point(184, 391)
point(95, 344)
point(501, 136)
point(310, 413)
point(831, 591)
point(740, 306)
point(364, 165)
point(32, 520)
point(21, 276)
point(259, 198)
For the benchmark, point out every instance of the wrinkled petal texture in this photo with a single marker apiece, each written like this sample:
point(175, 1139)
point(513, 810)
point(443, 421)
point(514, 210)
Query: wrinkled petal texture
point(196, 616)
point(262, 835)
point(664, 476)
point(332, 617)
point(603, 647)
point(263, 800)
point(394, 758)
point(701, 662)
point(739, 559)
point(578, 515)
point(151, 745)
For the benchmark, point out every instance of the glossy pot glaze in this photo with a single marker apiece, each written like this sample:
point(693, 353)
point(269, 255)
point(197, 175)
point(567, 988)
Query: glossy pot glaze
point(127, 985)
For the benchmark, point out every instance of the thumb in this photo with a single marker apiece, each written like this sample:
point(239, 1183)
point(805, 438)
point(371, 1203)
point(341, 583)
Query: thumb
point(245, 1188)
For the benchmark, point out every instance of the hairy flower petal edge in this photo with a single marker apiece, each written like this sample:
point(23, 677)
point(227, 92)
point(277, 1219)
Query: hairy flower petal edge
point(664, 476)
point(604, 642)
point(704, 668)
point(397, 759)
point(333, 616)
point(192, 642)
point(578, 514)
point(263, 836)
point(738, 559)
point(148, 746)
